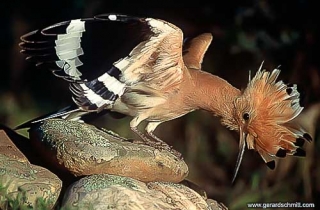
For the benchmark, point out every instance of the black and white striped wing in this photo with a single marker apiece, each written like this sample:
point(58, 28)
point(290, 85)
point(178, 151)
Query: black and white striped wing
point(99, 93)
point(101, 55)
point(83, 52)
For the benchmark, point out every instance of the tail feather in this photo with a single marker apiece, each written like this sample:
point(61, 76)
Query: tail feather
point(67, 112)
point(71, 113)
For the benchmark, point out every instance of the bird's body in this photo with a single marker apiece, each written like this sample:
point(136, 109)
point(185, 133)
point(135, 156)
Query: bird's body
point(197, 90)
point(160, 79)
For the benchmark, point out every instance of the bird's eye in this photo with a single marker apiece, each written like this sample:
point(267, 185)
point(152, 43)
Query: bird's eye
point(246, 116)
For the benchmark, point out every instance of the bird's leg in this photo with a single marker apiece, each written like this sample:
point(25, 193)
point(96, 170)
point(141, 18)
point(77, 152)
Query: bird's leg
point(134, 127)
point(150, 128)
point(145, 139)
point(158, 142)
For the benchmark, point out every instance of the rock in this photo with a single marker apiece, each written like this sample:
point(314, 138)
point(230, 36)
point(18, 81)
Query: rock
point(115, 192)
point(119, 174)
point(84, 149)
point(8, 148)
point(215, 205)
point(18, 177)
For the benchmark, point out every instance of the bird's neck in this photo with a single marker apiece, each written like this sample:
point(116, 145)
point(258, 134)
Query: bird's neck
point(213, 94)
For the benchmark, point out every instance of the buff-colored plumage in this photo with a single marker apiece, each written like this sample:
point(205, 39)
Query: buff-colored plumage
point(161, 79)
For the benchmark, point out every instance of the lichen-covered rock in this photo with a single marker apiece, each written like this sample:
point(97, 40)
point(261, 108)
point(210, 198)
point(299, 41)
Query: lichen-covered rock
point(7, 148)
point(115, 192)
point(83, 149)
point(215, 205)
point(19, 178)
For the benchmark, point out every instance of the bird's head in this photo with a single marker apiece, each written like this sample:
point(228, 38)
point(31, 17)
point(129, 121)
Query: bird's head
point(263, 113)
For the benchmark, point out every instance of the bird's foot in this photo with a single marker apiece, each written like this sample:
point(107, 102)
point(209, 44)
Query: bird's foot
point(155, 142)
point(161, 145)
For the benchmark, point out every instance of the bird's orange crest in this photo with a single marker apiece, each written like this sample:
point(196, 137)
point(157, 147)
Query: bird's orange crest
point(263, 114)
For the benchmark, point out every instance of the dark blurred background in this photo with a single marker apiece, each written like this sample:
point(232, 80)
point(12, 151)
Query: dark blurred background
point(282, 33)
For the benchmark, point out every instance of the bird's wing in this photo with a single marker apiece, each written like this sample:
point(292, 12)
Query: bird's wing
point(99, 56)
point(194, 50)
point(82, 52)
point(157, 62)
point(83, 49)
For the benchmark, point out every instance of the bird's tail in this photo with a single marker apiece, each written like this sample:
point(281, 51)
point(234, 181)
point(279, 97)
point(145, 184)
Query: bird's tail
point(70, 112)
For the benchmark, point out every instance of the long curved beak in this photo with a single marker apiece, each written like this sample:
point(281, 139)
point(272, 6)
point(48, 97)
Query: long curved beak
point(242, 146)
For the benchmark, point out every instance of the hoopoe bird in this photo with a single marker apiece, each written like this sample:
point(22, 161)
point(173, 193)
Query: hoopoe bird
point(160, 79)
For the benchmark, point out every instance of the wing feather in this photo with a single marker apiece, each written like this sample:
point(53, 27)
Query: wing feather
point(98, 68)
point(195, 49)
point(156, 62)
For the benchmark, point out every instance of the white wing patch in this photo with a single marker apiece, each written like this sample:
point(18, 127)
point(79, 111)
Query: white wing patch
point(93, 97)
point(98, 93)
point(112, 17)
point(112, 84)
point(68, 48)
